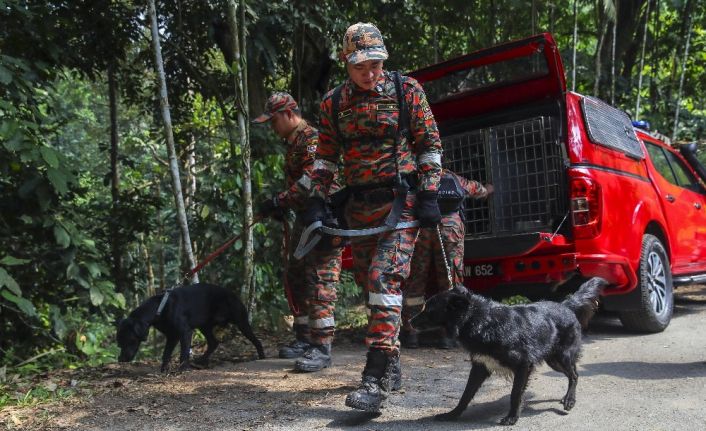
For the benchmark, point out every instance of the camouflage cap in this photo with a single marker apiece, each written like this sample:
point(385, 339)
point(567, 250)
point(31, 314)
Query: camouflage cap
point(363, 41)
point(277, 102)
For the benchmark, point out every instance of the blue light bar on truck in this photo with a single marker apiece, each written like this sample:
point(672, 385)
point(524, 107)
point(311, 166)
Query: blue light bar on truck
point(641, 124)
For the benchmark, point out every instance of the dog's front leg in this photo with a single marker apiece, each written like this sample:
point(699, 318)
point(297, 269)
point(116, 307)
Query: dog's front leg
point(168, 349)
point(185, 346)
point(519, 384)
point(476, 377)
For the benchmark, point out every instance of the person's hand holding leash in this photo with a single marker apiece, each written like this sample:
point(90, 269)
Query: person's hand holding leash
point(428, 209)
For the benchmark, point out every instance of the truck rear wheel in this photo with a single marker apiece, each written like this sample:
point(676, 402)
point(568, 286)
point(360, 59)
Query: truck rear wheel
point(656, 290)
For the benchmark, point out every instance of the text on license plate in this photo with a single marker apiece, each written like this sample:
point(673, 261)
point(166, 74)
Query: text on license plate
point(481, 270)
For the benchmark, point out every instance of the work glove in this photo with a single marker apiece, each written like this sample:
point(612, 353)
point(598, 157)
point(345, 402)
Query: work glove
point(315, 211)
point(427, 209)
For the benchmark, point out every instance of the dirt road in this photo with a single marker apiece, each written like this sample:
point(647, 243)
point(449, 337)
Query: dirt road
point(627, 382)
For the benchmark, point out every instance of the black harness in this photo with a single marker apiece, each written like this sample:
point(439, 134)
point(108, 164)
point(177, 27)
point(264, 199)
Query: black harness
point(397, 190)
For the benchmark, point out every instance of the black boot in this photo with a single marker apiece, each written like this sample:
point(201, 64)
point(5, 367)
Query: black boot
point(297, 347)
point(316, 358)
point(392, 379)
point(371, 392)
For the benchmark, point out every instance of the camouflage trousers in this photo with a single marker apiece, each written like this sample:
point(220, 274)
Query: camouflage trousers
point(313, 283)
point(428, 274)
point(381, 263)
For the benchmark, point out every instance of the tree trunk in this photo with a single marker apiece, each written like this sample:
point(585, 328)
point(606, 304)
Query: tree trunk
point(161, 273)
point(147, 258)
point(239, 68)
point(248, 243)
point(173, 163)
point(681, 77)
point(655, 58)
point(312, 65)
point(115, 241)
point(190, 168)
point(612, 56)
point(642, 62)
point(599, 49)
point(575, 41)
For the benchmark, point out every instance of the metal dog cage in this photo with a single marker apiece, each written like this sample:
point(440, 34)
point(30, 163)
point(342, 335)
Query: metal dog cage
point(523, 160)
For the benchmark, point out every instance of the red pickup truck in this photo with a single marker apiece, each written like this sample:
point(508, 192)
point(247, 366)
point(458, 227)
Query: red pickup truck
point(579, 191)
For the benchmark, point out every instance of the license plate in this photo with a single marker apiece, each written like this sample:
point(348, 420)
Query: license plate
point(482, 270)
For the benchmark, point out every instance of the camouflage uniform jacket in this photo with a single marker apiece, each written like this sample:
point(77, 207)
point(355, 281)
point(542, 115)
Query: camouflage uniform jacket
point(298, 165)
point(367, 121)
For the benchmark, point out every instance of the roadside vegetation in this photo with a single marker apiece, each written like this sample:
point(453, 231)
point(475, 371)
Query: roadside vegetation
point(88, 222)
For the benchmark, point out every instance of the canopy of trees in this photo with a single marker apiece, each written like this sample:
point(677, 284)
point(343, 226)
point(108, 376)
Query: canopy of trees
point(88, 224)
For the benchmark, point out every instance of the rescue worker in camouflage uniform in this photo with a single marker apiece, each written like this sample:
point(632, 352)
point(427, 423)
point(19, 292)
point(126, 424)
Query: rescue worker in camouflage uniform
point(313, 281)
point(381, 156)
point(428, 258)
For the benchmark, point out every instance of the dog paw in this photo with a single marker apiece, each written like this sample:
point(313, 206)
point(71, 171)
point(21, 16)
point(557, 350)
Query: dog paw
point(568, 402)
point(446, 417)
point(201, 361)
point(508, 420)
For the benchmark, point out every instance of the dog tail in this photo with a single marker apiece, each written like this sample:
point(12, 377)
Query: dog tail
point(584, 303)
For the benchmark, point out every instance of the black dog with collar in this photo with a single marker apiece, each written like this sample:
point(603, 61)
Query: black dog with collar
point(513, 340)
point(200, 306)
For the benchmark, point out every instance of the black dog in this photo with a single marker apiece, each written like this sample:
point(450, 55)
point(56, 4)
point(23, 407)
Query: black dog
point(200, 306)
point(513, 339)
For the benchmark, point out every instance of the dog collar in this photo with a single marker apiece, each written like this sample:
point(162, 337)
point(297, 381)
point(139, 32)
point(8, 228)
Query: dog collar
point(163, 302)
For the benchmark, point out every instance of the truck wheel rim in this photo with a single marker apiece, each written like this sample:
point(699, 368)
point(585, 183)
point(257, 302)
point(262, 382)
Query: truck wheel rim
point(657, 283)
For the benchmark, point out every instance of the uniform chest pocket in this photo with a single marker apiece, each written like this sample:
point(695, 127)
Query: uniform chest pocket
point(387, 117)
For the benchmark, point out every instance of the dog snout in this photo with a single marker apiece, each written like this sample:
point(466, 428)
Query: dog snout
point(126, 355)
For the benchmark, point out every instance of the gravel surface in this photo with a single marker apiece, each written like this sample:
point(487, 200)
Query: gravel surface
point(626, 382)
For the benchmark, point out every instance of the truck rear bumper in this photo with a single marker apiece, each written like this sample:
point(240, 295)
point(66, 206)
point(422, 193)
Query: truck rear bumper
point(552, 270)
point(615, 269)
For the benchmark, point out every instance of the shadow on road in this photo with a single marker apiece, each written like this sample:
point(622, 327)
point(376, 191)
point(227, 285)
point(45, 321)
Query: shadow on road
point(645, 370)
point(477, 416)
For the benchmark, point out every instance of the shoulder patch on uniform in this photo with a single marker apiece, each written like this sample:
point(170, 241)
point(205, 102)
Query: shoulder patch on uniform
point(345, 113)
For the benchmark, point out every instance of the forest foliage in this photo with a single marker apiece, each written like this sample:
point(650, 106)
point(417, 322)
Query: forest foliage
point(84, 239)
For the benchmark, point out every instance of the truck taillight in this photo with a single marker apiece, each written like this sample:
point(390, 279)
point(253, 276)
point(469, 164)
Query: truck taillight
point(585, 207)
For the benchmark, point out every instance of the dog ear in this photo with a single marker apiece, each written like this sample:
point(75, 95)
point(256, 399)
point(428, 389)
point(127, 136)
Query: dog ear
point(142, 329)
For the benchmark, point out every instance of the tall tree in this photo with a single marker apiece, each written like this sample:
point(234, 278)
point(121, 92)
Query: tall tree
point(115, 240)
point(169, 135)
point(612, 55)
point(574, 46)
point(675, 129)
point(604, 16)
point(642, 61)
point(238, 68)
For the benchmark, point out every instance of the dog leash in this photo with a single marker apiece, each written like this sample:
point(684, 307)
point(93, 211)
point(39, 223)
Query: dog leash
point(190, 273)
point(443, 254)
